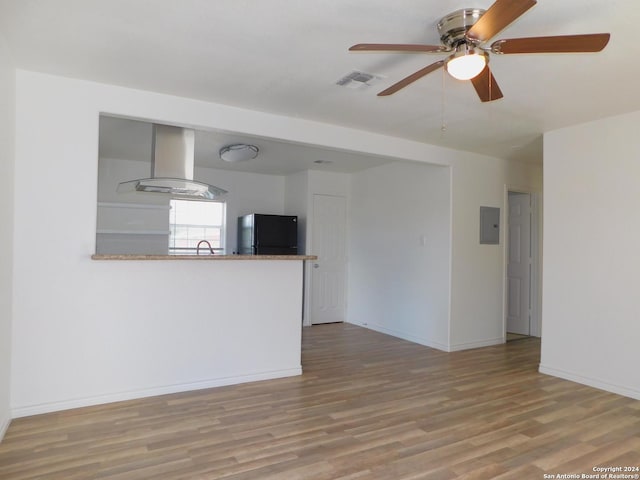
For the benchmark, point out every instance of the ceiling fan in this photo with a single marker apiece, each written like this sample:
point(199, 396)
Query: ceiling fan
point(463, 33)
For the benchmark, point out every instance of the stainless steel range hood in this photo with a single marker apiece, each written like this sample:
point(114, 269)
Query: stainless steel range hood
point(172, 166)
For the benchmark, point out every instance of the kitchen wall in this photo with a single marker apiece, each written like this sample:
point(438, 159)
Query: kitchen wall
point(296, 203)
point(248, 192)
point(7, 132)
point(591, 314)
point(399, 251)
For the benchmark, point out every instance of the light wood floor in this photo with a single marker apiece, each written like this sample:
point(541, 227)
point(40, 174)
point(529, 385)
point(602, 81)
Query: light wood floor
point(511, 337)
point(368, 406)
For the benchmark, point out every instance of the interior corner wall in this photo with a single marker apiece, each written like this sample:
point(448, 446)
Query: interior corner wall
point(590, 323)
point(399, 251)
point(478, 270)
point(7, 162)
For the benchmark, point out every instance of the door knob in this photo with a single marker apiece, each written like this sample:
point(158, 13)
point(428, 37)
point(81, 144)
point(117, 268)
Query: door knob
point(315, 265)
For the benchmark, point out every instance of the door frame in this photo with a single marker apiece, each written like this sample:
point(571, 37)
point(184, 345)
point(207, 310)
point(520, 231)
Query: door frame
point(535, 325)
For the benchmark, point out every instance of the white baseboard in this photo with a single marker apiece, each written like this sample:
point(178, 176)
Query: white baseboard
point(479, 344)
point(404, 336)
point(591, 382)
point(27, 410)
point(429, 343)
point(4, 426)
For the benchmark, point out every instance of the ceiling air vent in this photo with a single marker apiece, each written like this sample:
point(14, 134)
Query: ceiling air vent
point(358, 80)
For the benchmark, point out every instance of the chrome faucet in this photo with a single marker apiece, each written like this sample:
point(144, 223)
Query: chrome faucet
point(208, 244)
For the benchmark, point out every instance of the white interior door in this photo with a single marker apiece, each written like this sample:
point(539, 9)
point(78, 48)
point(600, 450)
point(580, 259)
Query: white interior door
point(328, 275)
point(519, 264)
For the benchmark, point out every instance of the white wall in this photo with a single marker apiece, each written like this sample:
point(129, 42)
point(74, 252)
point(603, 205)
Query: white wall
point(296, 203)
point(7, 131)
point(72, 341)
point(87, 331)
point(478, 271)
point(110, 331)
point(328, 183)
point(449, 202)
point(591, 312)
point(399, 252)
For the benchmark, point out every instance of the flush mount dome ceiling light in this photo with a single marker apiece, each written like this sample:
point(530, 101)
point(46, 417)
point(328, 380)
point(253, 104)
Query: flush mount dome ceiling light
point(466, 63)
point(238, 152)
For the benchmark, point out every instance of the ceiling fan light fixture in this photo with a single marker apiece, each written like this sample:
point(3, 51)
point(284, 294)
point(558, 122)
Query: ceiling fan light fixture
point(238, 152)
point(466, 63)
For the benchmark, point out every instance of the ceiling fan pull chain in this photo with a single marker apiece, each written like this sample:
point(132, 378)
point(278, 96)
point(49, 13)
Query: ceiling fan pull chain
point(443, 126)
point(490, 110)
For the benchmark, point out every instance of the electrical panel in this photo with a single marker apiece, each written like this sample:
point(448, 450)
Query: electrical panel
point(489, 225)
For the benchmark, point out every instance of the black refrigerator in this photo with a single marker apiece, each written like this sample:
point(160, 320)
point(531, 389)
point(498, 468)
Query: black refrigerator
point(262, 234)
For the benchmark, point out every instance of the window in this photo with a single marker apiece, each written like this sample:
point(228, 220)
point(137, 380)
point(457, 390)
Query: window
point(192, 221)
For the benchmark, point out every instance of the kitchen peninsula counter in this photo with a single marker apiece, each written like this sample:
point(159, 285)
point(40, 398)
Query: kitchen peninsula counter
point(201, 257)
point(172, 326)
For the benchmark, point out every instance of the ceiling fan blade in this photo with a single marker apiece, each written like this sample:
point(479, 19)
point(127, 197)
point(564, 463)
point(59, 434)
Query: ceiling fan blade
point(486, 86)
point(593, 42)
point(390, 47)
point(411, 78)
point(499, 15)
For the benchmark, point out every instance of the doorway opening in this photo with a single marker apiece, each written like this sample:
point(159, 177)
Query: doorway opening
point(521, 283)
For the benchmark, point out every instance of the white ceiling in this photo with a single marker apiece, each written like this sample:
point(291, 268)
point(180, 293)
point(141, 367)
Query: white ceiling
point(128, 139)
point(284, 57)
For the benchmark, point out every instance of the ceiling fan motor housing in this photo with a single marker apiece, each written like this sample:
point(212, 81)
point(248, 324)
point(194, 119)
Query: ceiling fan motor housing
point(453, 27)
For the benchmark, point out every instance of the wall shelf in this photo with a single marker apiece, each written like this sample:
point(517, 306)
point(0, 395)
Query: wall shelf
point(132, 232)
point(140, 206)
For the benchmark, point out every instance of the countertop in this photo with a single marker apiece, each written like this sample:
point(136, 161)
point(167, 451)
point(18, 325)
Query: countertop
point(203, 257)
